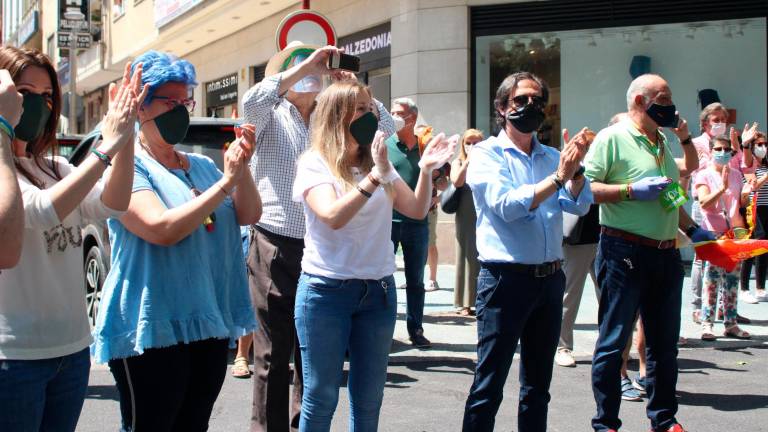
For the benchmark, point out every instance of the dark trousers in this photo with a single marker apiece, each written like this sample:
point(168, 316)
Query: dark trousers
point(172, 388)
point(274, 266)
point(760, 262)
point(511, 308)
point(413, 237)
point(633, 277)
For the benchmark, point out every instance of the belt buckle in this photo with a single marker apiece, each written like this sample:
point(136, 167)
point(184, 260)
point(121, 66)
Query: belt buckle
point(658, 246)
point(541, 270)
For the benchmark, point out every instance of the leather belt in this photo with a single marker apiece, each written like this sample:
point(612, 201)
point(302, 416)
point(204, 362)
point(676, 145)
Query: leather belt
point(535, 270)
point(634, 238)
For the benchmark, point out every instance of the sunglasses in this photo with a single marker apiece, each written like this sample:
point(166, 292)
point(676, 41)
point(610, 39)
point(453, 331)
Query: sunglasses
point(523, 100)
point(760, 144)
point(172, 103)
point(725, 149)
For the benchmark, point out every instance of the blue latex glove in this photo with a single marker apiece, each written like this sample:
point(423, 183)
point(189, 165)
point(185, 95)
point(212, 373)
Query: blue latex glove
point(649, 188)
point(701, 235)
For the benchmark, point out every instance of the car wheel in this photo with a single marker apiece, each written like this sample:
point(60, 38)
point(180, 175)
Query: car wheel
point(95, 272)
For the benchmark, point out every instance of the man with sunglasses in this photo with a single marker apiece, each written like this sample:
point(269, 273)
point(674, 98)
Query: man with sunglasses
point(521, 189)
point(280, 107)
point(634, 178)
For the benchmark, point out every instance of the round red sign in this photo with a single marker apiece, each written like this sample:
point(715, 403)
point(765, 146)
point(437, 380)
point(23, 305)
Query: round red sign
point(307, 26)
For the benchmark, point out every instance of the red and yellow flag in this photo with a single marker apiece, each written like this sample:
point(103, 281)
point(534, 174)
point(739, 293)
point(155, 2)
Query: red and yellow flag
point(727, 253)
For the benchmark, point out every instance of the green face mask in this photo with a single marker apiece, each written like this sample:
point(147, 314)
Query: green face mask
point(35, 117)
point(364, 128)
point(173, 124)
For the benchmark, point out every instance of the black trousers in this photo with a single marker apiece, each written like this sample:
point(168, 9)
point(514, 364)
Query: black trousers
point(760, 262)
point(172, 388)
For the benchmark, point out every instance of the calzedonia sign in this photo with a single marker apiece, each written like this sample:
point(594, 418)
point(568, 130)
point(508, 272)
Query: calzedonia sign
point(222, 91)
point(371, 45)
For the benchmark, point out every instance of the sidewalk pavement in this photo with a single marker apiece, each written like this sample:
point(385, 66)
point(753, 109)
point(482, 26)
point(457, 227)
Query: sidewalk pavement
point(454, 337)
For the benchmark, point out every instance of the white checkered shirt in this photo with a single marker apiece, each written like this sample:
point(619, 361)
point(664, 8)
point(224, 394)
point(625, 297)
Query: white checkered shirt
point(281, 137)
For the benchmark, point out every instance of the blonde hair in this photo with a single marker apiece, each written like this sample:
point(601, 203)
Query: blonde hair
point(330, 131)
point(708, 111)
point(469, 133)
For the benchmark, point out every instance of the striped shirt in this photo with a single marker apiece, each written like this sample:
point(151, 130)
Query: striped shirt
point(762, 193)
point(281, 137)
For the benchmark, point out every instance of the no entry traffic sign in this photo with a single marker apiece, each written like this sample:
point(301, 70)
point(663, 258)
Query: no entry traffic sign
point(307, 26)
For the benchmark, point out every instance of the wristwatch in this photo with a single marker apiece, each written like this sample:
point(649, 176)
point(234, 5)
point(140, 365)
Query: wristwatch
point(687, 141)
point(689, 231)
point(558, 183)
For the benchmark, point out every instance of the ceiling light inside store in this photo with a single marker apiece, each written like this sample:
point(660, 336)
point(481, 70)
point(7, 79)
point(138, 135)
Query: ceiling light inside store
point(627, 38)
point(740, 30)
point(691, 33)
point(536, 45)
point(727, 31)
point(646, 36)
point(592, 41)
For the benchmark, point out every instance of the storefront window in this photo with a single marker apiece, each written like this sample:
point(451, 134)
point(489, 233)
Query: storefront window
point(589, 70)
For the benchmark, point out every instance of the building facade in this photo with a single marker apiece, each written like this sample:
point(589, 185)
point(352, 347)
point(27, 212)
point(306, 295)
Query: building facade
point(447, 55)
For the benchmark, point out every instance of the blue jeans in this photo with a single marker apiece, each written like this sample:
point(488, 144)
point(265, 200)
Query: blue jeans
point(511, 308)
point(414, 238)
point(45, 395)
point(633, 277)
point(332, 317)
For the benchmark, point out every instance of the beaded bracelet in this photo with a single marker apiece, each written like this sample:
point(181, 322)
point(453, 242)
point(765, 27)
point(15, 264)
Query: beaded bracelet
point(6, 127)
point(103, 157)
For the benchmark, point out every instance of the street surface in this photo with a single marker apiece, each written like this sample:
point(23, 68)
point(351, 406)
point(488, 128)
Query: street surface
point(722, 385)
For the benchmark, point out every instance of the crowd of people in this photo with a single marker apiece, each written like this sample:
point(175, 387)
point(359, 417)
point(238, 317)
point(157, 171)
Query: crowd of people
point(331, 183)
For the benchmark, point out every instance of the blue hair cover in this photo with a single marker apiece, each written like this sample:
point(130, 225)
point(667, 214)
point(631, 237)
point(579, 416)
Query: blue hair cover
point(161, 68)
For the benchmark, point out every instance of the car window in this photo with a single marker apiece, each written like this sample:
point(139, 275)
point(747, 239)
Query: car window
point(208, 140)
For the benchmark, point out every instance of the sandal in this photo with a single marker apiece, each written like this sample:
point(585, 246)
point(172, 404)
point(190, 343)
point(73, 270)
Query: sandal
point(240, 368)
point(735, 332)
point(707, 332)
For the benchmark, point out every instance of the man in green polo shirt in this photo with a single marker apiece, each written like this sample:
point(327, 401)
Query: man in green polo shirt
point(411, 234)
point(635, 180)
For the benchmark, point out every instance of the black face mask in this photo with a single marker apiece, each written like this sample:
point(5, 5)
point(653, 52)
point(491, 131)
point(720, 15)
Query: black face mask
point(173, 124)
point(526, 119)
point(663, 115)
point(364, 128)
point(33, 120)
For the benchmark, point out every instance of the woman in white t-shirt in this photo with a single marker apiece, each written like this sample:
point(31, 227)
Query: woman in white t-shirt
point(346, 299)
point(44, 331)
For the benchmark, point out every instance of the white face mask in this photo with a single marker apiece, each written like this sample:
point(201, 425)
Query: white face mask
point(399, 122)
point(717, 129)
point(760, 151)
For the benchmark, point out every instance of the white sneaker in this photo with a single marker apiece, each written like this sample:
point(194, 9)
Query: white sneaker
point(432, 286)
point(747, 297)
point(402, 286)
point(761, 296)
point(564, 358)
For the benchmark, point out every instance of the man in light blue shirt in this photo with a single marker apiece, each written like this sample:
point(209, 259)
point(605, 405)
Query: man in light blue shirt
point(521, 188)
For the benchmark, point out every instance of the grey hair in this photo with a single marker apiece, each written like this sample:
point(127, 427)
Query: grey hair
point(639, 86)
point(408, 103)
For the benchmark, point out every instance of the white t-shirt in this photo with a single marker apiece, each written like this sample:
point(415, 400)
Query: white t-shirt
point(362, 249)
point(42, 299)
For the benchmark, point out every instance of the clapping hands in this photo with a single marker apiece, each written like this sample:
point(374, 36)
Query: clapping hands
point(438, 152)
point(118, 127)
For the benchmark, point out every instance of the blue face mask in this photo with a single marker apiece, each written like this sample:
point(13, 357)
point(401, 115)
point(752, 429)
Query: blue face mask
point(722, 157)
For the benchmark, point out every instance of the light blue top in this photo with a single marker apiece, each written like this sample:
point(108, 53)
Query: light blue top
point(502, 179)
point(158, 296)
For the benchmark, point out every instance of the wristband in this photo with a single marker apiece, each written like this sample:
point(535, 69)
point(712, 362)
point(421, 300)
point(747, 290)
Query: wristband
point(224, 191)
point(687, 141)
point(625, 192)
point(6, 127)
point(372, 179)
point(363, 191)
point(103, 156)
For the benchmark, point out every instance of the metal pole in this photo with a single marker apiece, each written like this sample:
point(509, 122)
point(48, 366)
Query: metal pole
point(306, 4)
point(72, 84)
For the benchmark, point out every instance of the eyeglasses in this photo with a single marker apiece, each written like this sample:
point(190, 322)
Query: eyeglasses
point(760, 144)
point(522, 100)
point(725, 149)
point(172, 103)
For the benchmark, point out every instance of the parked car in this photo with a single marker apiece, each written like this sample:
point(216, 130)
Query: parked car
point(67, 143)
point(206, 136)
